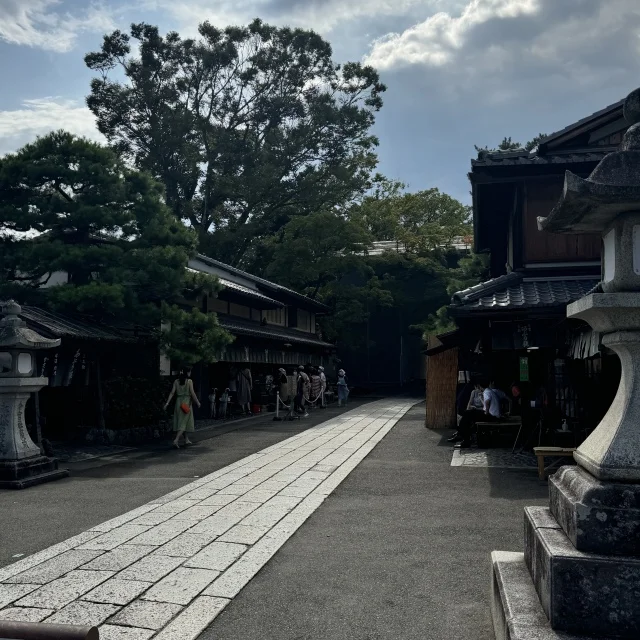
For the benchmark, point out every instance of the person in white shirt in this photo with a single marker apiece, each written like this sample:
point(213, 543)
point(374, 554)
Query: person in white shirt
point(490, 412)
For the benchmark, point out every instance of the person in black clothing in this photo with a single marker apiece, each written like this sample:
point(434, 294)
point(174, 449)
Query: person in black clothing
point(490, 412)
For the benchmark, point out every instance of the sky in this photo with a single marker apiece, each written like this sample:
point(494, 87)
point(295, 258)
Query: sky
point(458, 72)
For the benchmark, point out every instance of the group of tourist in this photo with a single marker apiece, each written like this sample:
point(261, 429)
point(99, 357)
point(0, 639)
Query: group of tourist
point(309, 388)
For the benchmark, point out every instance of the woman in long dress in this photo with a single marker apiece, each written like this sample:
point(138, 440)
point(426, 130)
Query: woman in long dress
point(183, 413)
point(245, 385)
point(343, 388)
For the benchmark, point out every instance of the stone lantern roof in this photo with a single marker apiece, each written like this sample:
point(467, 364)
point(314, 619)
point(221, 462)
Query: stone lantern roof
point(613, 188)
point(15, 334)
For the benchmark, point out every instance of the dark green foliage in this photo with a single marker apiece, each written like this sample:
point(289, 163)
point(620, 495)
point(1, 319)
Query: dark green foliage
point(470, 271)
point(246, 127)
point(135, 402)
point(71, 206)
point(509, 145)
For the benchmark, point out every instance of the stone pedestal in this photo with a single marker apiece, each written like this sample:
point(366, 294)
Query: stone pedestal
point(21, 464)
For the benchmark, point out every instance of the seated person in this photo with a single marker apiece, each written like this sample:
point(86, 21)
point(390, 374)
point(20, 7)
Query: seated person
point(474, 405)
point(503, 398)
point(490, 412)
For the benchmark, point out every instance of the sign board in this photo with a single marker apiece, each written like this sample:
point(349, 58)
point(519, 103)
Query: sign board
point(524, 369)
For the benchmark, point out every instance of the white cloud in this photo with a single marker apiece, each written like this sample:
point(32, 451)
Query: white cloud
point(40, 116)
point(36, 23)
point(509, 50)
point(437, 40)
point(320, 15)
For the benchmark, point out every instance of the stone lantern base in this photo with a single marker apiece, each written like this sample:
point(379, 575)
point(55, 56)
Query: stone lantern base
point(21, 463)
point(20, 474)
point(556, 591)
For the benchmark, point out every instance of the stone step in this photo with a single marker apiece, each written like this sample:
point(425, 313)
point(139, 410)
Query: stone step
point(515, 607)
point(581, 592)
point(32, 480)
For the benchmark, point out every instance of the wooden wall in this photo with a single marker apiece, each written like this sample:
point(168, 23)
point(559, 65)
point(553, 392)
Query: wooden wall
point(442, 384)
point(540, 246)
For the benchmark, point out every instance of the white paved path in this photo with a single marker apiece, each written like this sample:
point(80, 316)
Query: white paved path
point(168, 568)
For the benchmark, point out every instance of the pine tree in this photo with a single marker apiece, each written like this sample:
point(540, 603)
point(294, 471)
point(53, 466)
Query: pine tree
point(71, 206)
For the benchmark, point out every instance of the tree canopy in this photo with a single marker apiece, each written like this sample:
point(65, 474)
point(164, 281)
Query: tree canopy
point(247, 127)
point(71, 206)
point(508, 144)
point(330, 256)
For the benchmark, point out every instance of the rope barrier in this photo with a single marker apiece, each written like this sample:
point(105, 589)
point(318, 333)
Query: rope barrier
point(279, 402)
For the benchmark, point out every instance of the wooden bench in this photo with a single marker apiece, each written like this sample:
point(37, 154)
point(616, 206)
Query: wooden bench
point(486, 428)
point(550, 452)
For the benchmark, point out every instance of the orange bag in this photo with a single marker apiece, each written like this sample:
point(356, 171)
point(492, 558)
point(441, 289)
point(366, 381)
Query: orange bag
point(185, 407)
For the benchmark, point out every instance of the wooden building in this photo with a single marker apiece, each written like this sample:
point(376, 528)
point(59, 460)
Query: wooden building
point(273, 327)
point(115, 378)
point(513, 328)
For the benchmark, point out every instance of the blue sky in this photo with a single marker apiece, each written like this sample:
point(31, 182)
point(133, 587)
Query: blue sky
point(459, 72)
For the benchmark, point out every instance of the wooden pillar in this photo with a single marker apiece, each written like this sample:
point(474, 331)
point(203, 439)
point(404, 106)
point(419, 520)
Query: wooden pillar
point(442, 384)
point(101, 422)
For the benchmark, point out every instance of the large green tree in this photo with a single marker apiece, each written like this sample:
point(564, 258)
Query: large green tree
point(71, 206)
point(421, 221)
point(246, 127)
point(329, 256)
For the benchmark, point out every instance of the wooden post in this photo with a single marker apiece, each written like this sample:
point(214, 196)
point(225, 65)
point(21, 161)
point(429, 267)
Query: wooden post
point(101, 422)
point(36, 401)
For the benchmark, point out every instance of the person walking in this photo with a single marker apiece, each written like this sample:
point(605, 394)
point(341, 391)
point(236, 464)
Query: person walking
point(245, 386)
point(213, 399)
point(323, 385)
point(283, 385)
point(302, 390)
point(343, 388)
point(316, 386)
point(224, 401)
point(183, 422)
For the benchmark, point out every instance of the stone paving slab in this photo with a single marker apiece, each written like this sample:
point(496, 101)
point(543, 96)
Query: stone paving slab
point(166, 569)
point(25, 614)
point(83, 613)
point(497, 458)
point(147, 615)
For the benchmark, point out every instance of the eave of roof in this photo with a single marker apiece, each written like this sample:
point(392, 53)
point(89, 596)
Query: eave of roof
point(514, 292)
point(281, 334)
point(525, 158)
point(271, 286)
point(608, 112)
point(63, 326)
point(245, 291)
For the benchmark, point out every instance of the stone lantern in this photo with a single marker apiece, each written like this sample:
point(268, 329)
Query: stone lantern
point(21, 463)
point(580, 573)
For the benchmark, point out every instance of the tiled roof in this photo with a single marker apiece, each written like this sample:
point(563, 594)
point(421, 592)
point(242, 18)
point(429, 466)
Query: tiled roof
point(249, 292)
point(62, 326)
point(281, 334)
point(522, 157)
point(611, 109)
point(245, 291)
point(514, 292)
point(270, 286)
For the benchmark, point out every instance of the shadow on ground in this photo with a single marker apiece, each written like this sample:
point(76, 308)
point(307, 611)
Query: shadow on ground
point(400, 551)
